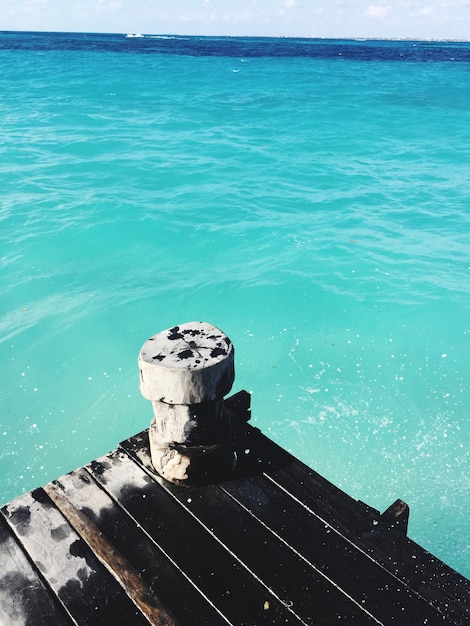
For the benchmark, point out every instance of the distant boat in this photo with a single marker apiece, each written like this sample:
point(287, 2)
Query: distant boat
point(134, 35)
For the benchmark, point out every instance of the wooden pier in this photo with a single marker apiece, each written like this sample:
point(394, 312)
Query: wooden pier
point(113, 543)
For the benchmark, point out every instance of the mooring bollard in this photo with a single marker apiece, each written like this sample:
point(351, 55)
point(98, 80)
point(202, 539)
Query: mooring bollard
point(186, 371)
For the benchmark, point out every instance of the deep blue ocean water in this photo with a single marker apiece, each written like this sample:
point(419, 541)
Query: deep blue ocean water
point(309, 197)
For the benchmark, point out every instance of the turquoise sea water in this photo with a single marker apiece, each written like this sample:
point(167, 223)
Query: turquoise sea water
point(308, 197)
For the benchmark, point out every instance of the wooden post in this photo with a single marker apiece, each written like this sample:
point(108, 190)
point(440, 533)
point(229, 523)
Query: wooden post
point(186, 371)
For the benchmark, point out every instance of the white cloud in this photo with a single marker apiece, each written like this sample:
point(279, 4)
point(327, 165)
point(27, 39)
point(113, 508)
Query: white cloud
point(377, 12)
point(424, 12)
point(332, 18)
point(114, 4)
point(34, 5)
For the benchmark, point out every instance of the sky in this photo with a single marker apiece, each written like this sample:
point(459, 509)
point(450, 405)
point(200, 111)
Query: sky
point(423, 19)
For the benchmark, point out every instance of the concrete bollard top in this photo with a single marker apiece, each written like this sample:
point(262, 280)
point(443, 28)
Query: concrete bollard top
point(187, 364)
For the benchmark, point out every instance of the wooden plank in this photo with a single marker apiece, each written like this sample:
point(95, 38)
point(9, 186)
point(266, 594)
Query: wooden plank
point(113, 560)
point(87, 591)
point(259, 455)
point(433, 580)
point(410, 565)
point(294, 581)
point(219, 576)
point(355, 572)
point(161, 580)
point(24, 599)
point(137, 446)
point(238, 405)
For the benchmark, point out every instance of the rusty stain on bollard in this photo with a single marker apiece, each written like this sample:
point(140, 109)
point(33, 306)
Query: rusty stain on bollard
point(186, 371)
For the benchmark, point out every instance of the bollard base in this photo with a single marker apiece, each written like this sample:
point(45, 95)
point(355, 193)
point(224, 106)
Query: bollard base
point(184, 464)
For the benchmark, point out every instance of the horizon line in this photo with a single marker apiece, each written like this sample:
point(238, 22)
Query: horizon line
point(320, 37)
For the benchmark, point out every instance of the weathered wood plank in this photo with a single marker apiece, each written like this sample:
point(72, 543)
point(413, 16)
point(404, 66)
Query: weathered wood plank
point(87, 591)
point(259, 455)
point(429, 577)
point(341, 560)
point(408, 563)
point(432, 579)
point(160, 579)
point(294, 581)
point(24, 599)
point(113, 560)
point(218, 574)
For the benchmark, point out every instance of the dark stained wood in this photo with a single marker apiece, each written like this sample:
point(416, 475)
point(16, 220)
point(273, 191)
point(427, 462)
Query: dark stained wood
point(216, 572)
point(429, 577)
point(113, 560)
point(90, 595)
point(396, 517)
point(295, 582)
point(322, 547)
point(24, 599)
point(166, 584)
point(114, 543)
point(358, 526)
point(339, 559)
